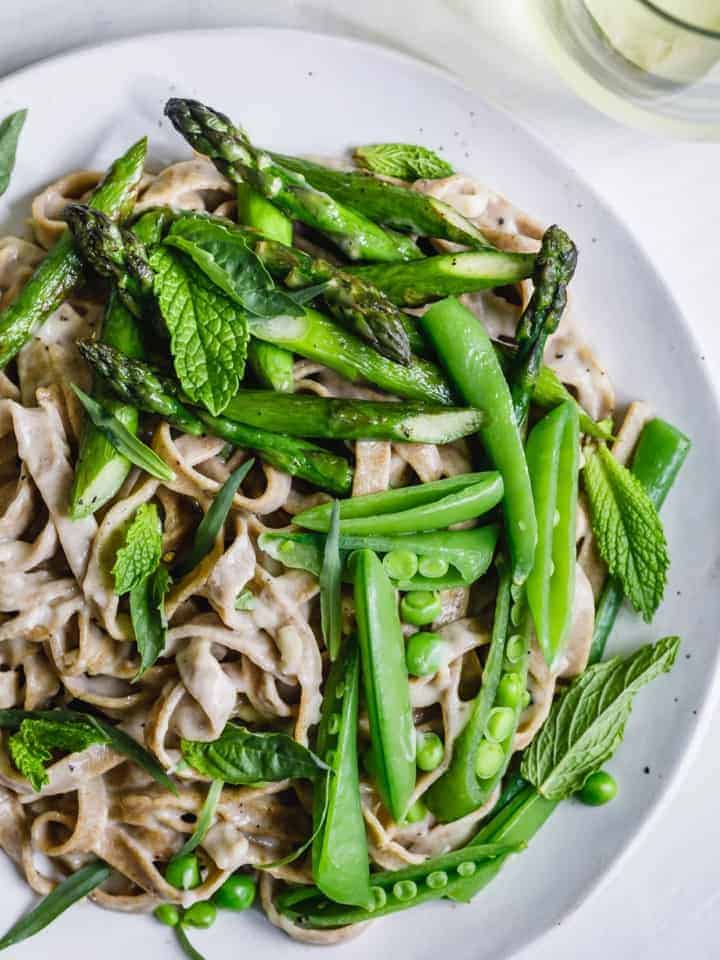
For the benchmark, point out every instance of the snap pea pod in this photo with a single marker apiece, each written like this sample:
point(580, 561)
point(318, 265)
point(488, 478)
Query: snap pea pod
point(660, 453)
point(340, 864)
point(395, 890)
point(459, 791)
point(465, 504)
point(470, 552)
point(60, 272)
point(553, 453)
point(387, 692)
point(467, 353)
point(273, 366)
point(389, 501)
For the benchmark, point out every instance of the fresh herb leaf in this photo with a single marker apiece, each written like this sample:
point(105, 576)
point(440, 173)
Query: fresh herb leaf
point(75, 887)
point(403, 160)
point(187, 948)
point(225, 257)
point(296, 854)
point(118, 435)
point(245, 600)
point(214, 519)
point(239, 756)
point(628, 530)
point(32, 747)
point(550, 391)
point(147, 612)
point(208, 333)
point(141, 552)
point(204, 821)
point(330, 585)
point(116, 738)
point(10, 129)
point(587, 723)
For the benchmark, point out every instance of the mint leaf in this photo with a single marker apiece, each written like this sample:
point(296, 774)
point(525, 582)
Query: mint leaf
point(628, 530)
point(147, 612)
point(32, 747)
point(208, 332)
point(10, 129)
point(239, 756)
point(587, 723)
point(141, 552)
point(406, 161)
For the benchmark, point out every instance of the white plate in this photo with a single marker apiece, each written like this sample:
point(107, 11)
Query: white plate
point(304, 92)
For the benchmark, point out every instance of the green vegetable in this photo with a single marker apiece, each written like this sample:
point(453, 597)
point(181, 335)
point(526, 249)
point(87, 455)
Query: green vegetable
point(147, 613)
point(330, 586)
point(202, 914)
point(340, 855)
point(627, 530)
point(120, 437)
point(208, 333)
point(237, 893)
point(467, 353)
point(400, 564)
point(32, 747)
point(168, 914)
point(254, 210)
point(213, 134)
point(420, 608)
point(317, 338)
point(387, 695)
point(389, 203)
point(239, 756)
point(10, 129)
point(488, 759)
point(549, 391)
point(553, 453)
point(445, 275)
point(73, 888)
point(204, 821)
point(433, 567)
point(417, 812)
point(140, 384)
point(245, 600)
point(183, 872)
point(214, 520)
point(405, 161)
point(554, 268)
point(426, 653)
point(660, 453)
point(599, 788)
point(430, 751)
point(306, 415)
point(140, 554)
point(587, 723)
point(273, 367)
point(187, 948)
point(60, 272)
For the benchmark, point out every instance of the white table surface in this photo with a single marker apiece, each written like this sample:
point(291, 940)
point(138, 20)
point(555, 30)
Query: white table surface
point(663, 902)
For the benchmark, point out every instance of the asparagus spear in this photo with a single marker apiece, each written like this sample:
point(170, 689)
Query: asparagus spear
point(61, 270)
point(554, 269)
point(113, 252)
point(137, 383)
point(446, 275)
point(272, 365)
point(213, 134)
point(332, 419)
point(388, 203)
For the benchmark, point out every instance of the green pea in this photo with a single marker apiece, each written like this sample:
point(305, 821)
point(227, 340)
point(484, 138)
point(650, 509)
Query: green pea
point(433, 567)
point(467, 868)
point(379, 897)
point(237, 893)
point(183, 872)
point(425, 654)
point(500, 723)
point(400, 564)
point(168, 914)
point(515, 649)
point(420, 608)
point(600, 787)
point(510, 690)
point(202, 915)
point(418, 811)
point(488, 759)
point(430, 751)
point(437, 880)
point(405, 890)
point(526, 699)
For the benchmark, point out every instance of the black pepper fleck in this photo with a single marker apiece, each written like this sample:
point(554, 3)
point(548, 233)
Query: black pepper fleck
point(646, 769)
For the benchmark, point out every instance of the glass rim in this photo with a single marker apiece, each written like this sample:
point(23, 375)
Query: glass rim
point(679, 22)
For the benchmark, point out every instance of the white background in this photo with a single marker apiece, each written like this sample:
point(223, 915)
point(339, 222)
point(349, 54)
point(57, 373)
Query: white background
point(663, 903)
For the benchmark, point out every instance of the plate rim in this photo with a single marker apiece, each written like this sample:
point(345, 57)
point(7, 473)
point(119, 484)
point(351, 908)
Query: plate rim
point(696, 737)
